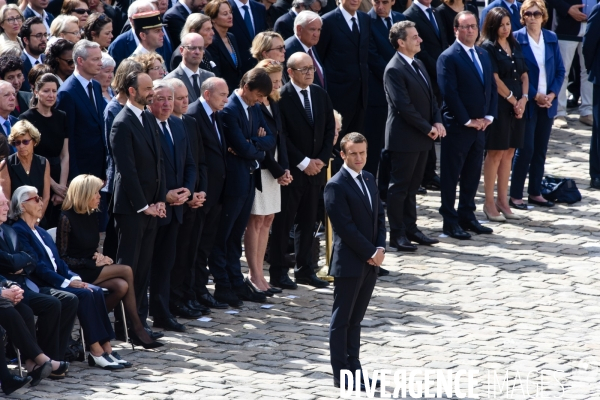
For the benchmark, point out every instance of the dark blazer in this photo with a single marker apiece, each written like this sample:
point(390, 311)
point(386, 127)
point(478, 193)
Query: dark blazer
point(293, 45)
point(515, 19)
point(113, 108)
point(85, 124)
point(565, 26)
point(23, 99)
point(358, 227)
point(179, 171)
point(591, 46)
point(345, 61)
point(26, 68)
point(304, 139)
point(249, 148)
point(180, 74)
point(281, 7)
point(28, 13)
point(44, 274)
point(215, 152)
point(465, 96)
point(230, 71)
point(412, 109)
point(555, 69)
point(385, 50)
point(13, 258)
point(124, 46)
point(259, 15)
point(139, 173)
point(208, 63)
point(196, 146)
point(285, 24)
point(276, 167)
point(433, 45)
point(175, 19)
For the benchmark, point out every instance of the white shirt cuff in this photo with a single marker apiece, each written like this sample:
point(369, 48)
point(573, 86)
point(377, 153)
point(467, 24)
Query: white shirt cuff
point(468, 122)
point(143, 209)
point(76, 278)
point(374, 254)
point(303, 164)
point(490, 118)
point(65, 283)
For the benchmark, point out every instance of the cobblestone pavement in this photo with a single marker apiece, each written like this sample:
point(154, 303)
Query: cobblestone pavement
point(523, 300)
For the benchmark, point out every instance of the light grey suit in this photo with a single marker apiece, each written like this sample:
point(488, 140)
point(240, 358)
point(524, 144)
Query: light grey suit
point(180, 74)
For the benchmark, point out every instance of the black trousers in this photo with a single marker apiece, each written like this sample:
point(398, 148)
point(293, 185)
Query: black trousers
point(406, 175)
point(56, 311)
point(162, 264)
point(351, 297)
point(383, 179)
point(136, 235)
point(208, 219)
point(4, 372)
point(374, 129)
point(595, 142)
point(185, 255)
point(20, 328)
point(299, 204)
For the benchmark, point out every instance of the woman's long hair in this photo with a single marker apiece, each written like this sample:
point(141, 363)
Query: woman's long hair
point(492, 23)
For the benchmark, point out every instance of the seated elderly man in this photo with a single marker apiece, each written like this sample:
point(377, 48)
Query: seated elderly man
point(55, 309)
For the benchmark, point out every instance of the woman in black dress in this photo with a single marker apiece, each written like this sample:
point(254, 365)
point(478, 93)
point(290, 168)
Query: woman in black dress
point(23, 167)
point(54, 142)
point(77, 239)
point(507, 131)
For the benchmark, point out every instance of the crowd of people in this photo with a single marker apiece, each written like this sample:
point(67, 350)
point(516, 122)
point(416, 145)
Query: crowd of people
point(144, 142)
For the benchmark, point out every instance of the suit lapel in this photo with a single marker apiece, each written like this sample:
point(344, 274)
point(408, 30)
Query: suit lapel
point(414, 73)
point(239, 20)
point(358, 190)
point(165, 146)
point(469, 61)
point(180, 73)
point(344, 26)
point(223, 49)
point(85, 98)
point(296, 100)
point(140, 128)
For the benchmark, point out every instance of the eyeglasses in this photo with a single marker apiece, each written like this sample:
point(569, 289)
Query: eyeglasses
point(37, 199)
point(82, 11)
point(157, 69)
point(467, 27)
point(39, 36)
point(534, 14)
point(280, 49)
point(12, 20)
point(305, 70)
point(194, 48)
point(67, 60)
point(76, 33)
point(24, 142)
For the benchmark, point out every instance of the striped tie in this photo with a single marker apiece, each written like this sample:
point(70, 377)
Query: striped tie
point(307, 106)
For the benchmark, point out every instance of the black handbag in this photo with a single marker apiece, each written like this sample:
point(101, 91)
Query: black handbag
point(560, 190)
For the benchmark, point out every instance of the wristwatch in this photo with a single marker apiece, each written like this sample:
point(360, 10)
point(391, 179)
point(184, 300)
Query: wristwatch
point(526, 97)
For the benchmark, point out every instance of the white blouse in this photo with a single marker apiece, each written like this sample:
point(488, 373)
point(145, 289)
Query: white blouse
point(539, 52)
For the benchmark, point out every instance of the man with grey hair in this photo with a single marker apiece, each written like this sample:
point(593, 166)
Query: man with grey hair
point(189, 72)
point(180, 180)
point(80, 97)
point(8, 100)
point(307, 29)
point(286, 23)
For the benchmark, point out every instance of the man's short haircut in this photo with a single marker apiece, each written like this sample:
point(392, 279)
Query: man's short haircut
point(398, 32)
point(10, 64)
point(303, 3)
point(131, 81)
point(175, 82)
point(125, 68)
point(25, 31)
point(306, 17)
point(461, 14)
point(257, 79)
point(211, 84)
point(160, 84)
point(81, 49)
point(353, 137)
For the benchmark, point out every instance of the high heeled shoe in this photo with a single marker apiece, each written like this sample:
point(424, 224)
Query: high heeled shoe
point(274, 290)
point(509, 215)
point(136, 341)
point(497, 218)
point(255, 290)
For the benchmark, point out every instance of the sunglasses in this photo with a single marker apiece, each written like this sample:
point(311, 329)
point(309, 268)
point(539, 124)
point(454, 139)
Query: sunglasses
point(82, 11)
point(37, 199)
point(23, 142)
point(69, 61)
point(534, 14)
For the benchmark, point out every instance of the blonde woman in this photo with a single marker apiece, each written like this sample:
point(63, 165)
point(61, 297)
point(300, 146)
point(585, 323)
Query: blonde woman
point(65, 27)
point(11, 20)
point(153, 64)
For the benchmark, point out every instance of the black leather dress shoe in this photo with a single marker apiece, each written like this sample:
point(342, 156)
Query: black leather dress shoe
point(14, 383)
point(456, 232)
point(312, 280)
point(383, 272)
point(595, 183)
point(244, 293)
point(195, 306)
point(228, 297)
point(209, 301)
point(475, 226)
point(546, 203)
point(284, 282)
point(336, 383)
point(521, 206)
point(421, 190)
point(420, 238)
point(168, 324)
point(433, 184)
point(401, 243)
point(181, 310)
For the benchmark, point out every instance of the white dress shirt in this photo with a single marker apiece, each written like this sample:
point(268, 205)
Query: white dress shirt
point(488, 117)
point(189, 73)
point(348, 17)
point(210, 112)
point(159, 122)
point(49, 251)
point(84, 82)
point(32, 59)
point(182, 2)
point(410, 61)
point(43, 16)
point(539, 52)
point(138, 113)
point(304, 163)
point(239, 4)
point(243, 103)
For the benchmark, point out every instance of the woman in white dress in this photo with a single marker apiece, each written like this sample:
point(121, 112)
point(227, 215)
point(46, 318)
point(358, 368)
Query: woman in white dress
point(274, 173)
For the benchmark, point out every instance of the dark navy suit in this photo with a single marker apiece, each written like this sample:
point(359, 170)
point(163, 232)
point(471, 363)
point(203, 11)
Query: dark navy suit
point(293, 45)
point(92, 309)
point(515, 18)
point(87, 147)
point(180, 171)
point(175, 19)
point(28, 13)
point(358, 230)
point(26, 68)
point(124, 46)
point(242, 138)
point(591, 53)
point(230, 69)
point(239, 30)
point(285, 24)
point(465, 98)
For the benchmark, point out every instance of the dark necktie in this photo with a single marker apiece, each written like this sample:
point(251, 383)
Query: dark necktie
point(477, 67)
point(248, 21)
point(196, 86)
point(36, 62)
point(514, 10)
point(317, 69)
point(168, 138)
point(433, 22)
point(363, 187)
point(355, 31)
point(214, 123)
point(388, 23)
point(416, 67)
point(307, 106)
point(91, 93)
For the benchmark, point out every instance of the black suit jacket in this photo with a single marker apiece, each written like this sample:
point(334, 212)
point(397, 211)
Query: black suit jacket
point(293, 45)
point(230, 70)
point(215, 151)
point(412, 108)
point(433, 45)
point(566, 27)
point(358, 227)
point(23, 99)
point(13, 258)
point(276, 167)
point(259, 15)
point(281, 7)
point(139, 172)
point(196, 145)
point(175, 19)
point(285, 24)
point(26, 68)
point(303, 139)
